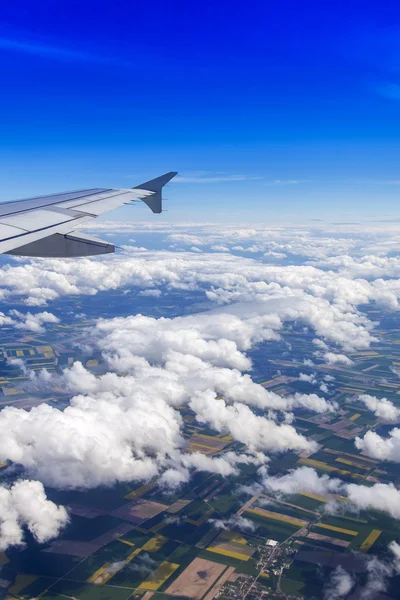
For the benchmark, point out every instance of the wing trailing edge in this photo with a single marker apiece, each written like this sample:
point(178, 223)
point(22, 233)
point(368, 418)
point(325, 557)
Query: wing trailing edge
point(70, 245)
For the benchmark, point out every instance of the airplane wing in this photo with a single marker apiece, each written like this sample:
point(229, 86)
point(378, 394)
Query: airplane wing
point(45, 225)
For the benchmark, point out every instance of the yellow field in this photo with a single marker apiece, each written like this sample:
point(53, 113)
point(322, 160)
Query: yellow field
point(160, 575)
point(154, 544)
point(354, 417)
point(226, 552)
point(108, 570)
point(277, 516)
point(97, 573)
point(232, 536)
point(93, 362)
point(126, 542)
point(10, 391)
point(364, 352)
point(370, 539)
point(333, 528)
point(321, 465)
point(2, 464)
point(201, 447)
point(314, 496)
point(353, 463)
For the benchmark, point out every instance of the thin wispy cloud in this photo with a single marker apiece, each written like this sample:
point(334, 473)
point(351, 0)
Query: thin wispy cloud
point(286, 181)
point(53, 52)
point(208, 178)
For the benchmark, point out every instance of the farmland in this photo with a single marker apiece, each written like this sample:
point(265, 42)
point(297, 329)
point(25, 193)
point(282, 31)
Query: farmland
point(214, 536)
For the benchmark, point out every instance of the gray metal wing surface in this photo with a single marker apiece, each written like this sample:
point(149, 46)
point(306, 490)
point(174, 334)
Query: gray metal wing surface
point(45, 225)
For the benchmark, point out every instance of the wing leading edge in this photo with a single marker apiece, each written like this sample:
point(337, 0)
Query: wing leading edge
point(45, 225)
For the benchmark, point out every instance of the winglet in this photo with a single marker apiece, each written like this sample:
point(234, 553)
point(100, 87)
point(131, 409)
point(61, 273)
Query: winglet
point(154, 202)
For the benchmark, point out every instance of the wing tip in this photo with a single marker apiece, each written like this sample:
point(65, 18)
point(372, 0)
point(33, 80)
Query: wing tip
point(154, 202)
point(155, 185)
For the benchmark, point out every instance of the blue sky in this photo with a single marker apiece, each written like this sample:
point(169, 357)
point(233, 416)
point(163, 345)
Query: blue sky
point(271, 110)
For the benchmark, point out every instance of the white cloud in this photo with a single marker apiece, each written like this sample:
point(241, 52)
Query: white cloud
point(29, 321)
point(379, 447)
point(33, 322)
point(125, 428)
point(303, 479)
point(239, 421)
point(25, 505)
point(333, 359)
point(380, 496)
point(382, 408)
point(95, 441)
point(234, 522)
point(308, 378)
point(339, 584)
point(154, 293)
point(201, 352)
point(379, 571)
point(324, 300)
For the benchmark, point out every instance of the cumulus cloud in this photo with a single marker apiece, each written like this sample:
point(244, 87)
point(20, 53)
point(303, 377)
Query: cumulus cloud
point(379, 571)
point(125, 428)
point(382, 407)
point(308, 378)
point(225, 465)
point(234, 522)
point(339, 584)
point(201, 352)
point(93, 441)
point(303, 479)
point(25, 505)
point(154, 293)
point(325, 300)
point(333, 359)
point(29, 321)
point(380, 496)
point(324, 388)
point(379, 447)
point(239, 421)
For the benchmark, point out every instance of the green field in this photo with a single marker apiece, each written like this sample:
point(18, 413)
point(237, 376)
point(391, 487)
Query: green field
point(306, 502)
point(303, 578)
point(72, 589)
point(271, 528)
